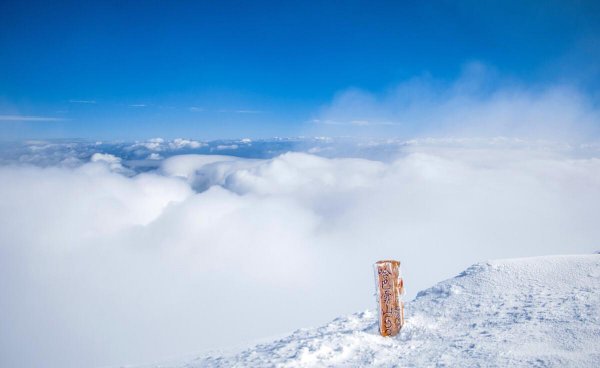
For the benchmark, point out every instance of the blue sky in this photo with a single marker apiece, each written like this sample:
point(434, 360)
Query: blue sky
point(206, 70)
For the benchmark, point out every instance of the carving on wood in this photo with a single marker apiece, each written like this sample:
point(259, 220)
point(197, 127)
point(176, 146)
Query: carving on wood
point(390, 288)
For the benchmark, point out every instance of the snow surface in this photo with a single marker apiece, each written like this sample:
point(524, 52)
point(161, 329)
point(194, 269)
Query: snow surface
point(537, 312)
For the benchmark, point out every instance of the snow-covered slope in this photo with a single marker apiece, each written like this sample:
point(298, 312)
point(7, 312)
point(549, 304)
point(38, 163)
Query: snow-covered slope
point(538, 312)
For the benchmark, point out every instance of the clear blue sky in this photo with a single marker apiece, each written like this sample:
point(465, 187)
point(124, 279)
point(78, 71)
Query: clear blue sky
point(210, 69)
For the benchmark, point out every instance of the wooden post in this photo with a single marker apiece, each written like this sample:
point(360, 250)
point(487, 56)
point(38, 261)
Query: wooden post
point(390, 288)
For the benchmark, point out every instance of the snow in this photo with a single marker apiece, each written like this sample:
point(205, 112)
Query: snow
point(538, 312)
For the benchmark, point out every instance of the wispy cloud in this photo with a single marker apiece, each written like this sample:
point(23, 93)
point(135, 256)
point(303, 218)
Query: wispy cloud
point(242, 111)
point(479, 103)
point(353, 122)
point(248, 111)
point(83, 101)
point(29, 118)
point(137, 105)
point(196, 109)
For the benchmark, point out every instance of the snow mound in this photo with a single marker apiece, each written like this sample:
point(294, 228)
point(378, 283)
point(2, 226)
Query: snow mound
point(541, 312)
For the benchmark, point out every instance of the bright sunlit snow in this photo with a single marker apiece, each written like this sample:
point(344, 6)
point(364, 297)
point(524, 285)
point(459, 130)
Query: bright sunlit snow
point(534, 312)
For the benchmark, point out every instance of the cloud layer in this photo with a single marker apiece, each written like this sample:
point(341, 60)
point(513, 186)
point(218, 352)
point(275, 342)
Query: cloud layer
point(100, 266)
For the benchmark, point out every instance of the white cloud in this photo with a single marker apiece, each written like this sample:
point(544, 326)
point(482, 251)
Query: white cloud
point(28, 118)
point(153, 144)
point(111, 161)
point(354, 122)
point(179, 143)
point(240, 111)
point(210, 251)
point(160, 144)
point(186, 165)
point(105, 157)
point(478, 103)
point(154, 156)
point(222, 147)
point(83, 101)
point(248, 111)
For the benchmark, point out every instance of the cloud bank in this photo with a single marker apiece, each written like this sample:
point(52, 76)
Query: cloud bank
point(479, 103)
point(100, 266)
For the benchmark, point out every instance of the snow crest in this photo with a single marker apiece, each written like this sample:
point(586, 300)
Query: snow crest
point(538, 312)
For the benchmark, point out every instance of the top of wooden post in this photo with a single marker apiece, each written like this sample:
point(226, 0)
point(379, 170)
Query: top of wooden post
point(397, 263)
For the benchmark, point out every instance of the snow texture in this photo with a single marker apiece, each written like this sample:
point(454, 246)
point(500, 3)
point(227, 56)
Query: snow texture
point(536, 312)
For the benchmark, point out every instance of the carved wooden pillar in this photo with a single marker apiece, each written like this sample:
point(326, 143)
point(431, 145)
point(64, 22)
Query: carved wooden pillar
point(390, 288)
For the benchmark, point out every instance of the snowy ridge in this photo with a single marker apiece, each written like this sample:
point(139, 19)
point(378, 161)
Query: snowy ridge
point(538, 312)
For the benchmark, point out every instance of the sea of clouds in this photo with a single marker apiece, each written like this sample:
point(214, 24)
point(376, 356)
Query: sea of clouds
point(130, 252)
point(115, 252)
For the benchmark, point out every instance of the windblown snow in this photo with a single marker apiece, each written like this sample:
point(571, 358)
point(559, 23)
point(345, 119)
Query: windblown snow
point(537, 312)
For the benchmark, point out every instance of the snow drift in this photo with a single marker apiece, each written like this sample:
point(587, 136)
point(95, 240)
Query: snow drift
point(539, 312)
